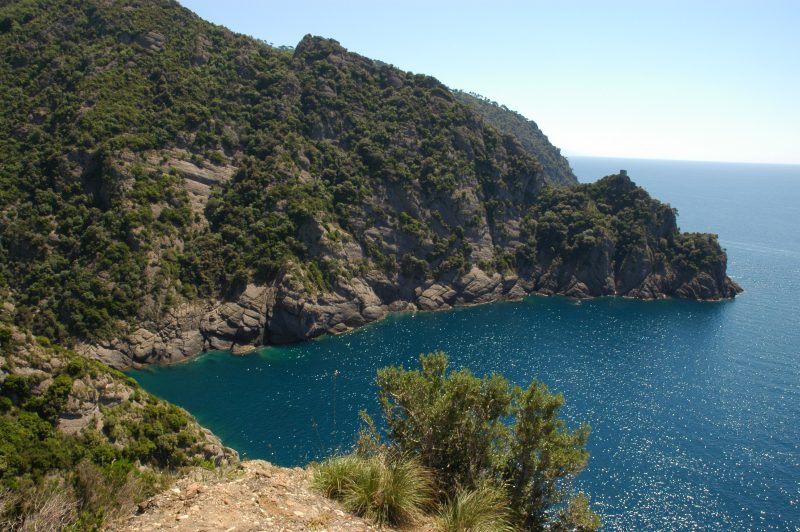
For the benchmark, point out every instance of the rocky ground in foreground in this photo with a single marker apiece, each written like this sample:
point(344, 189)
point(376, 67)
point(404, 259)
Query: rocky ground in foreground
point(253, 496)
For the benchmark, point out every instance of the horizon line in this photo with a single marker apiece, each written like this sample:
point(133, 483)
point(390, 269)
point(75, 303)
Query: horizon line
point(641, 158)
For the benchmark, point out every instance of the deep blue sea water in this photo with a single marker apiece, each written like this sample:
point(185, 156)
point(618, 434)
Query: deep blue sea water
point(694, 407)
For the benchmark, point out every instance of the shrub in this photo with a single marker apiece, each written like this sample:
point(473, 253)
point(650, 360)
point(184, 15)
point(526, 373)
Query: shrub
point(387, 490)
point(76, 367)
point(450, 422)
point(5, 338)
point(469, 431)
point(50, 505)
point(332, 477)
point(577, 516)
point(50, 404)
point(16, 387)
point(111, 491)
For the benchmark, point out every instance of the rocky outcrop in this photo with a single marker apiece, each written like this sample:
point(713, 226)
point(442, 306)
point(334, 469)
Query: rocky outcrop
point(237, 325)
point(611, 240)
point(199, 175)
point(97, 397)
point(641, 275)
point(288, 313)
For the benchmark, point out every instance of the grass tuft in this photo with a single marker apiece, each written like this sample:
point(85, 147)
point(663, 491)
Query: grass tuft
point(387, 491)
point(334, 476)
point(484, 509)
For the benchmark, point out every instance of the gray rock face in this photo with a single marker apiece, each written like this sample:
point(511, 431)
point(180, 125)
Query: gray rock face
point(398, 265)
point(269, 315)
point(237, 326)
point(287, 313)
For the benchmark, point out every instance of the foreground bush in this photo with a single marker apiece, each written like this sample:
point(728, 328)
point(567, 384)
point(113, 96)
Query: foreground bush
point(50, 505)
point(470, 431)
point(577, 516)
point(386, 490)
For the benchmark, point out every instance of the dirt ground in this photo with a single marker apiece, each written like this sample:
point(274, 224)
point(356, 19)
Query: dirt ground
point(253, 496)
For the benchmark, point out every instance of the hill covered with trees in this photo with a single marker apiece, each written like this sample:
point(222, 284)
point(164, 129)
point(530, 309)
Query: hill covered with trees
point(167, 185)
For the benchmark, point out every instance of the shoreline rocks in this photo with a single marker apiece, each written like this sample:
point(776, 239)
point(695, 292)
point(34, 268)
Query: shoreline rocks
point(287, 313)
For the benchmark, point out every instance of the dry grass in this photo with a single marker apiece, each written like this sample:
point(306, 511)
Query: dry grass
point(52, 505)
point(481, 510)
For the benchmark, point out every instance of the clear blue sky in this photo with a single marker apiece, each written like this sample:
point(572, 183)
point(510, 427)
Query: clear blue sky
point(702, 80)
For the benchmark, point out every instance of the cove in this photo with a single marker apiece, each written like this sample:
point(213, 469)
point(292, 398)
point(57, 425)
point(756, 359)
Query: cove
point(646, 376)
point(693, 406)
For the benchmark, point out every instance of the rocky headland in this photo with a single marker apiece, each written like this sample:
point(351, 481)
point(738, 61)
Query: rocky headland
point(598, 263)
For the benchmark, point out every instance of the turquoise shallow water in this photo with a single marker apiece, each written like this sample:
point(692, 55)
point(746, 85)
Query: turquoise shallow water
point(694, 406)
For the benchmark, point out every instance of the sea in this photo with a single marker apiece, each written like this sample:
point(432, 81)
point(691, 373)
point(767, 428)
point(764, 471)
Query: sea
point(694, 406)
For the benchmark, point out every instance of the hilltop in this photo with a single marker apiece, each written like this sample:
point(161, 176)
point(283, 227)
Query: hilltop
point(531, 138)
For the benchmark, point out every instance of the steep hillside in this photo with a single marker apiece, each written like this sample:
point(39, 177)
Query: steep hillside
point(168, 186)
point(555, 165)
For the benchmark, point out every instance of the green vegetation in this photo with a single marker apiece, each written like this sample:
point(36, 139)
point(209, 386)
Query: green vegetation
point(577, 516)
point(104, 105)
point(87, 478)
point(526, 132)
point(99, 97)
point(97, 81)
point(500, 455)
point(484, 509)
point(569, 223)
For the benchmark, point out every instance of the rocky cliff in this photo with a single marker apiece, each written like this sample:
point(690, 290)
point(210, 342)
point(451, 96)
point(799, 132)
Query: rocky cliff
point(605, 239)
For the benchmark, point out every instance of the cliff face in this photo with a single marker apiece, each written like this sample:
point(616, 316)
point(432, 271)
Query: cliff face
point(580, 242)
point(169, 186)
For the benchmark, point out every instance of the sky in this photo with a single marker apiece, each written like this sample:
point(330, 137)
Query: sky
point(693, 80)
